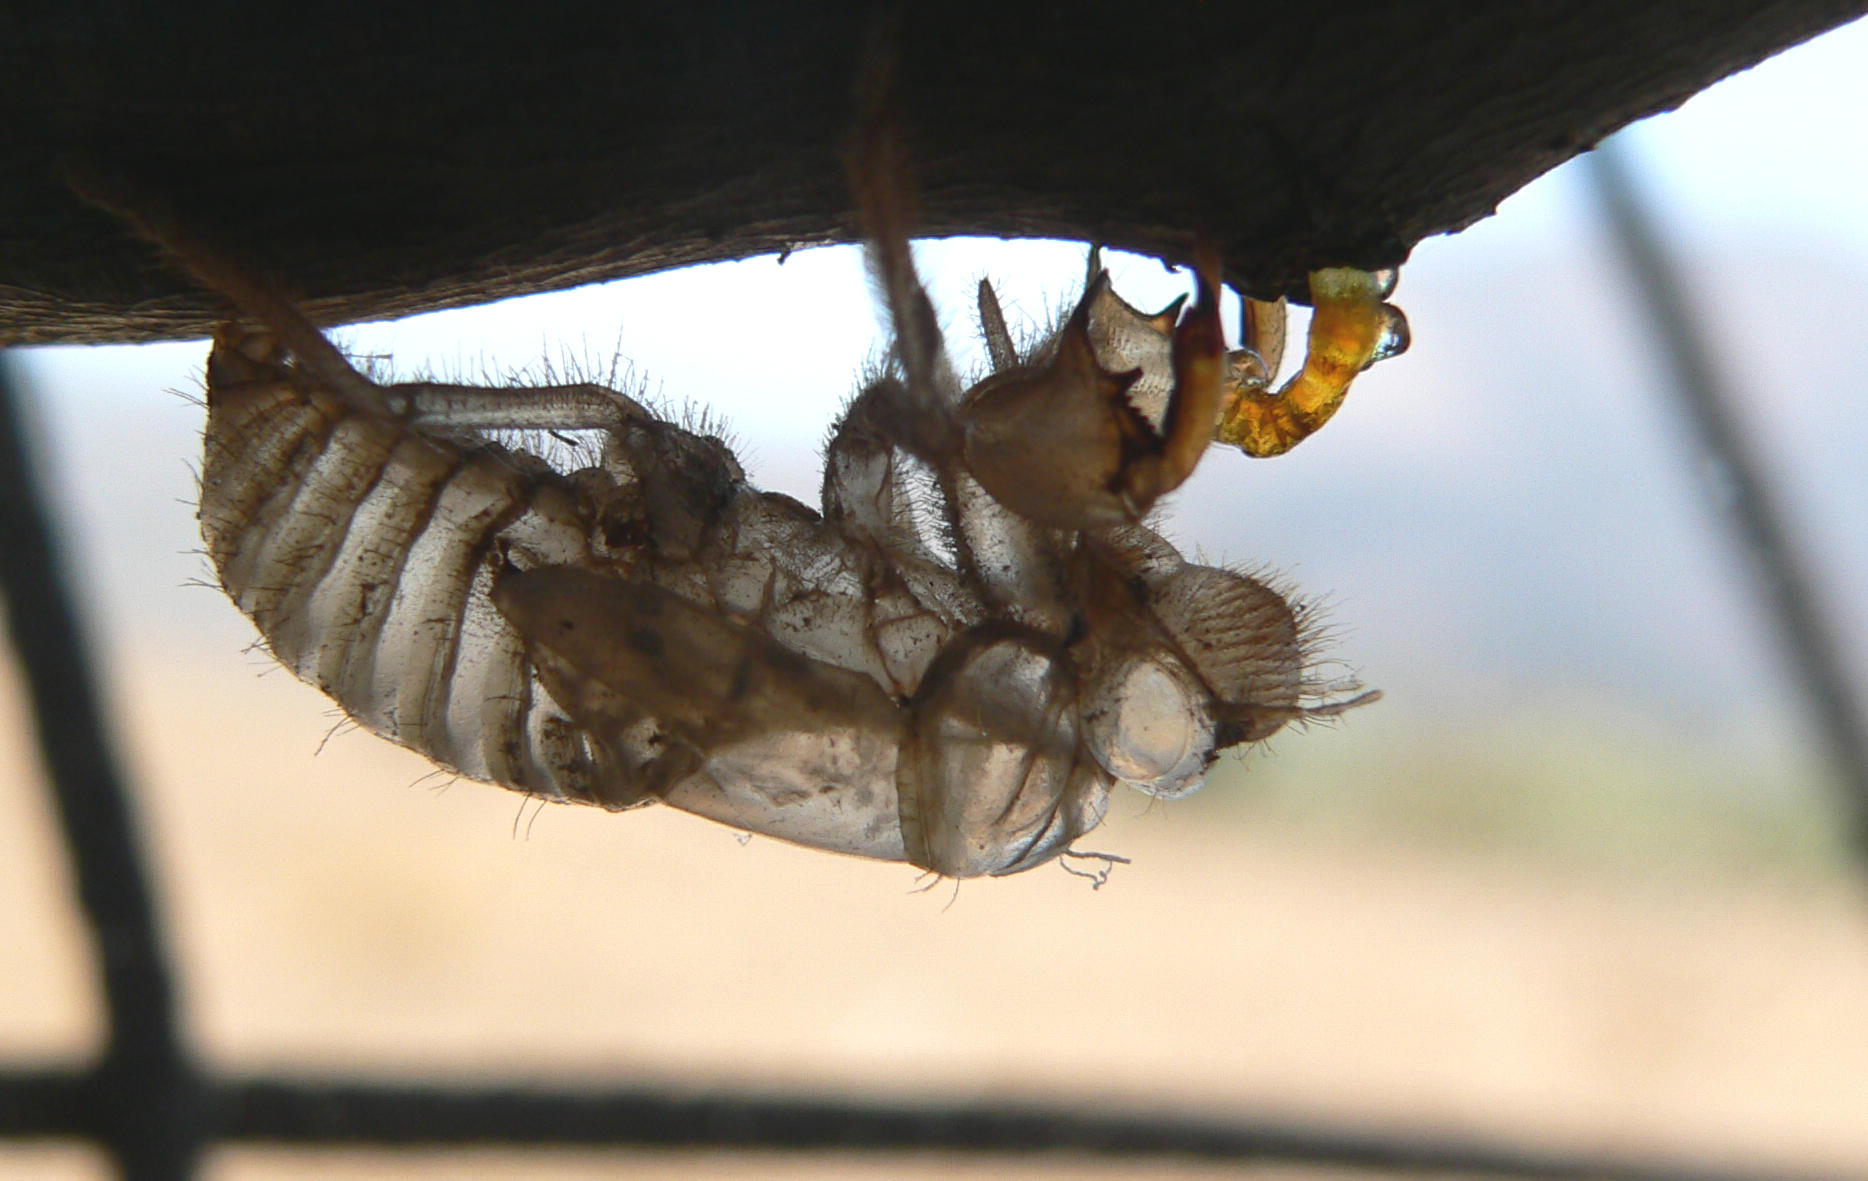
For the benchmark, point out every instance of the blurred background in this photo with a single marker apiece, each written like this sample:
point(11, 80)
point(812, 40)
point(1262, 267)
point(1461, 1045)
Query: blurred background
point(1578, 880)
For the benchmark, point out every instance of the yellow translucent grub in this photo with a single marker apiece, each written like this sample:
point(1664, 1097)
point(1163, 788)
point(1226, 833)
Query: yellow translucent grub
point(1346, 328)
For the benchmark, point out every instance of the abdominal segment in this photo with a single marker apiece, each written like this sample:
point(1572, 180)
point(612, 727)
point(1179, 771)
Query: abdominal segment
point(365, 552)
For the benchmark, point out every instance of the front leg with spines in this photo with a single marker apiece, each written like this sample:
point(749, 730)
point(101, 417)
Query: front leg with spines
point(573, 407)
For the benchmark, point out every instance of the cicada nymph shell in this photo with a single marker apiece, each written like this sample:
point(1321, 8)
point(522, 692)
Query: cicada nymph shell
point(923, 671)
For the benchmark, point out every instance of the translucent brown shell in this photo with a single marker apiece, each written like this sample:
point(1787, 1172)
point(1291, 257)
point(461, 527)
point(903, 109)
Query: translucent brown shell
point(934, 677)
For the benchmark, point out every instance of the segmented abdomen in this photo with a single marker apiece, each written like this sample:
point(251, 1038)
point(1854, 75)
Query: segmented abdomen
point(365, 551)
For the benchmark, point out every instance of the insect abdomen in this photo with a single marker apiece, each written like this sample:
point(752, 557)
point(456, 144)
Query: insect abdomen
point(365, 552)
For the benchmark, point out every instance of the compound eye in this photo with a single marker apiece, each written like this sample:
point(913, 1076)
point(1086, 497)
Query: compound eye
point(1149, 722)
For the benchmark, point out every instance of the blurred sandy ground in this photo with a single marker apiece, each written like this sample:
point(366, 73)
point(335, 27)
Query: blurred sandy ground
point(335, 915)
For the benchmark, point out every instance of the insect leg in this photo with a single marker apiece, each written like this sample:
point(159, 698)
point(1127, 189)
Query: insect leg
point(913, 601)
point(1007, 561)
point(256, 298)
point(566, 407)
point(993, 779)
point(863, 494)
point(885, 208)
point(992, 328)
point(1010, 560)
point(1064, 444)
point(763, 738)
point(572, 407)
point(1193, 408)
point(1261, 333)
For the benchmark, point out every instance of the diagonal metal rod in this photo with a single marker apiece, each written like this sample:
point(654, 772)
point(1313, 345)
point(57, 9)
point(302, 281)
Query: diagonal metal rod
point(1755, 516)
point(141, 1098)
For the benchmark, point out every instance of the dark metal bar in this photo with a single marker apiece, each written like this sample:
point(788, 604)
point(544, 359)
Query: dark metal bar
point(1757, 519)
point(143, 1102)
point(46, 1104)
point(350, 1114)
point(260, 1110)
